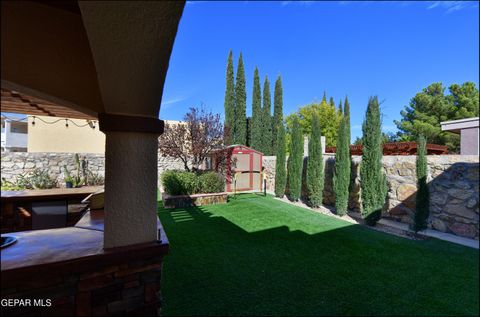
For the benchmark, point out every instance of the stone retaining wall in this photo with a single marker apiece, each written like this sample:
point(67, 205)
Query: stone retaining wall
point(15, 163)
point(184, 201)
point(453, 183)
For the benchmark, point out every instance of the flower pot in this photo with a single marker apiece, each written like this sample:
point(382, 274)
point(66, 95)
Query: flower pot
point(68, 184)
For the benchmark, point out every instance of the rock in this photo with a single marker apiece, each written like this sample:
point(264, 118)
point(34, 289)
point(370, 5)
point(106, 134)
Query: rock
point(461, 210)
point(439, 225)
point(7, 164)
point(464, 230)
point(400, 210)
point(29, 165)
point(460, 193)
point(472, 202)
point(438, 198)
point(406, 194)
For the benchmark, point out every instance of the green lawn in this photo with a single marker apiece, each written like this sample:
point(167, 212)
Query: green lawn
point(258, 256)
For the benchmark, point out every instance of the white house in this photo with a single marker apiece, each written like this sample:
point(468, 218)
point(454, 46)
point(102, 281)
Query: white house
point(14, 135)
point(468, 130)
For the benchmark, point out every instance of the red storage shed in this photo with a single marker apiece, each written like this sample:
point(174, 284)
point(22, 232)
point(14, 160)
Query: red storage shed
point(243, 167)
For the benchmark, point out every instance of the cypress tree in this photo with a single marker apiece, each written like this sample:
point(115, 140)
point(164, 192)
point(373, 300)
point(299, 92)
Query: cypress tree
point(280, 172)
point(295, 162)
point(256, 134)
point(423, 196)
point(332, 103)
point(249, 131)
point(240, 136)
point(346, 114)
point(229, 103)
point(340, 111)
point(373, 181)
point(315, 176)
point(324, 98)
point(277, 111)
point(267, 119)
point(341, 176)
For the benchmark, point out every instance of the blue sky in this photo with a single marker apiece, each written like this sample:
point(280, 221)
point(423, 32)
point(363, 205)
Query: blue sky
point(389, 49)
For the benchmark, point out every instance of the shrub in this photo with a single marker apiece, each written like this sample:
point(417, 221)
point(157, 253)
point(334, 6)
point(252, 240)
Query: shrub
point(211, 182)
point(179, 182)
point(295, 162)
point(423, 196)
point(373, 181)
point(315, 176)
point(280, 172)
point(341, 176)
point(36, 179)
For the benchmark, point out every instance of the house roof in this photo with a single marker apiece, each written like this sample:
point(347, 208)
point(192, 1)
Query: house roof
point(457, 125)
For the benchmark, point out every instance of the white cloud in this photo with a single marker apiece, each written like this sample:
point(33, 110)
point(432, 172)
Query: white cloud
point(303, 3)
point(167, 103)
point(451, 6)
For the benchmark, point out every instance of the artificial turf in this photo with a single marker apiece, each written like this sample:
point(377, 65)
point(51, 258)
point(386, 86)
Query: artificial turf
point(259, 256)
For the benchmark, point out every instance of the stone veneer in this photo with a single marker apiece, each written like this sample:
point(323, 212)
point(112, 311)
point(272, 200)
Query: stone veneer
point(453, 183)
point(15, 163)
point(182, 201)
point(454, 203)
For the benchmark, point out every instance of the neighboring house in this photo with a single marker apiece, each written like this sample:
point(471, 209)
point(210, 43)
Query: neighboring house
point(54, 135)
point(14, 135)
point(468, 130)
point(50, 134)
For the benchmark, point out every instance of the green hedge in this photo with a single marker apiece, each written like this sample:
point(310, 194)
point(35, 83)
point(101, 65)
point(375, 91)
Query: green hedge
point(187, 183)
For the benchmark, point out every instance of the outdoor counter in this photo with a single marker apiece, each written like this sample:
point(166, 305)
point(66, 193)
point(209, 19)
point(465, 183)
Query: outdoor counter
point(69, 265)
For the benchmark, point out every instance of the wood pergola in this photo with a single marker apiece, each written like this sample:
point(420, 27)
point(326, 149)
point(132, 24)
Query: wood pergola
point(16, 102)
point(397, 148)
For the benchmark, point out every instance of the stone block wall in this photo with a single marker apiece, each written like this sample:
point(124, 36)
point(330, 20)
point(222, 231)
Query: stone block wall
point(15, 163)
point(453, 183)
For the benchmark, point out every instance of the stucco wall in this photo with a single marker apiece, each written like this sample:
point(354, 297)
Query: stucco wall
point(57, 138)
point(453, 183)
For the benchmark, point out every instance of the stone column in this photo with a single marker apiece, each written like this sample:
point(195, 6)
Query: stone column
point(130, 179)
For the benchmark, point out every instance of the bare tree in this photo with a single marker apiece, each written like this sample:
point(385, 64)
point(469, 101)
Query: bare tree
point(193, 140)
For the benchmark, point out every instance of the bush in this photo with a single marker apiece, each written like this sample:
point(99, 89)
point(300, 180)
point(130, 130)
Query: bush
point(211, 182)
point(179, 182)
point(187, 183)
point(315, 175)
point(373, 180)
point(36, 179)
point(295, 162)
point(422, 211)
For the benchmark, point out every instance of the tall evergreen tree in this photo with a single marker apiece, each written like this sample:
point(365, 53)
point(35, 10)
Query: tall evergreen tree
point(280, 172)
point(240, 136)
point(423, 196)
point(346, 114)
point(256, 134)
point(295, 162)
point(277, 111)
point(229, 103)
point(267, 119)
point(373, 181)
point(324, 98)
point(340, 111)
point(341, 176)
point(315, 176)
point(331, 102)
point(249, 131)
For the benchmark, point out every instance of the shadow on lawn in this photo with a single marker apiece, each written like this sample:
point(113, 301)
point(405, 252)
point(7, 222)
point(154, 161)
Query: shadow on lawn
point(225, 263)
